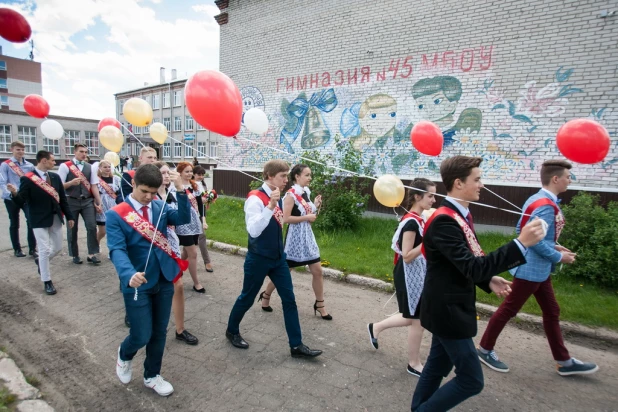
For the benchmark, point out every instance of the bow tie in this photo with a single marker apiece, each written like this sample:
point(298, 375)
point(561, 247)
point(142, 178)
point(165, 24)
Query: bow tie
point(79, 162)
point(559, 200)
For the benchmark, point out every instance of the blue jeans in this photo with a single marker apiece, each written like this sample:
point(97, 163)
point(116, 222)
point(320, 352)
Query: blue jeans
point(149, 316)
point(468, 380)
point(13, 212)
point(256, 269)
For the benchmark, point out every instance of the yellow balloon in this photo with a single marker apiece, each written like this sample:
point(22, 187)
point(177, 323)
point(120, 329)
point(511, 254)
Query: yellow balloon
point(111, 138)
point(137, 111)
point(113, 158)
point(389, 190)
point(158, 132)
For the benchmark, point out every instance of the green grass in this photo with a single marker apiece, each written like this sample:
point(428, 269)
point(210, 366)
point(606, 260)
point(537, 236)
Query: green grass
point(7, 399)
point(366, 251)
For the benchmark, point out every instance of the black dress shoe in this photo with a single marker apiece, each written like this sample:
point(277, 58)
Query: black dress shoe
point(202, 290)
point(126, 321)
point(94, 260)
point(33, 253)
point(236, 340)
point(303, 351)
point(187, 337)
point(77, 260)
point(19, 253)
point(49, 288)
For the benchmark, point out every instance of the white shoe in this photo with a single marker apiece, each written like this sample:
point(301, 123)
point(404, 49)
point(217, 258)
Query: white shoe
point(123, 369)
point(159, 385)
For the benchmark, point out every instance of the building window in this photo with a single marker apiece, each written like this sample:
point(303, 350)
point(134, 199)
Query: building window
point(167, 150)
point(188, 150)
point(3, 84)
point(4, 100)
point(188, 123)
point(201, 149)
point(167, 123)
point(27, 135)
point(148, 100)
point(166, 100)
point(177, 98)
point(213, 150)
point(70, 138)
point(200, 127)
point(5, 138)
point(2, 65)
point(120, 105)
point(52, 146)
point(177, 124)
point(92, 141)
point(137, 130)
point(146, 129)
point(155, 101)
point(177, 149)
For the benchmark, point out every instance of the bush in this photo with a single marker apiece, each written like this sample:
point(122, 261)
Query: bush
point(591, 231)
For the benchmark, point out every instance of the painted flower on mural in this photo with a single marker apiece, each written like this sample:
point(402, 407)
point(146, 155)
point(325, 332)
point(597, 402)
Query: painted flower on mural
point(495, 96)
point(546, 101)
point(467, 142)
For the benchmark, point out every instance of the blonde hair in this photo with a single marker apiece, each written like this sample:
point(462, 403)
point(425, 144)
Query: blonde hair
point(101, 164)
point(146, 149)
point(274, 167)
point(376, 101)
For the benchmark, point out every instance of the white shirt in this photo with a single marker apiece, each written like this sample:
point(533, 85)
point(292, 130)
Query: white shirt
point(200, 187)
point(463, 210)
point(138, 206)
point(63, 172)
point(41, 173)
point(257, 216)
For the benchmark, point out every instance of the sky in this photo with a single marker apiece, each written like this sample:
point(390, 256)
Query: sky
point(91, 49)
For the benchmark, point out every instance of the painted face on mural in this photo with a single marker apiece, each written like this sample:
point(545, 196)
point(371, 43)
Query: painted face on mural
point(379, 121)
point(437, 108)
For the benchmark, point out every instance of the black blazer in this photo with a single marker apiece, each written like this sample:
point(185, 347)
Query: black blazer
point(42, 206)
point(448, 302)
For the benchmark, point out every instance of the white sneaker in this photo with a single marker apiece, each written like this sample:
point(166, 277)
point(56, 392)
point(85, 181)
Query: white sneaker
point(123, 369)
point(159, 385)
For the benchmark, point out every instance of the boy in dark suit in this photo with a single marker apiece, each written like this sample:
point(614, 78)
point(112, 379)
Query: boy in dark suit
point(135, 238)
point(534, 278)
point(47, 211)
point(456, 264)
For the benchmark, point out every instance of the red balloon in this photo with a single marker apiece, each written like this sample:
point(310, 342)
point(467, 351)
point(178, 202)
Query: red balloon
point(109, 121)
point(427, 138)
point(13, 26)
point(214, 101)
point(36, 106)
point(583, 141)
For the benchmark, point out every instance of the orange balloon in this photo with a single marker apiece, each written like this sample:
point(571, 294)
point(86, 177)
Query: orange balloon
point(111, 138)
point(137, 111)
point(389, 190)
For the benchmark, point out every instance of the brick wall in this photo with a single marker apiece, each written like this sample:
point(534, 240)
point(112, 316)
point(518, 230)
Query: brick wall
point(499, 78)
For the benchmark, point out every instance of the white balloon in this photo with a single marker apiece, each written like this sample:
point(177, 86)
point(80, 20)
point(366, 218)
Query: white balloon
point(256, 121)
point(52, 129)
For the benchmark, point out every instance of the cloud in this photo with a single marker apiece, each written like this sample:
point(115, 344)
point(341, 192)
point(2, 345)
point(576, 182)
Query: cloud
point(132, 42)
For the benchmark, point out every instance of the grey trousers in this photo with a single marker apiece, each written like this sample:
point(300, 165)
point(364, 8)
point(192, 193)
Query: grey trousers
point(85, 208)
point(201, 242)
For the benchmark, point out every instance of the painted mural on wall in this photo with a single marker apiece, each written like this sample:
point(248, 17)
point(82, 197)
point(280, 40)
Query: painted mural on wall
point(513, 130)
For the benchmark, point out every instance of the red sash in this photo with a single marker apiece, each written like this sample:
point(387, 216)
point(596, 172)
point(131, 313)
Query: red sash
point(421, 224)
point(277, 212)
point(473, 242)
point(14, 167)
point(192, 200)
point(559, 217)
point(108, 189)
point(302, 201)
point(148, 232)
point(36, 179)
point(78, 173)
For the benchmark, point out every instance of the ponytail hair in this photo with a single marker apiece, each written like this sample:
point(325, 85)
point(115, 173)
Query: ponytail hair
point(420, 186)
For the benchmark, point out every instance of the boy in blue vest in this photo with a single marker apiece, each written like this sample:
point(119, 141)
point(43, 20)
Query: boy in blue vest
point(264, 219)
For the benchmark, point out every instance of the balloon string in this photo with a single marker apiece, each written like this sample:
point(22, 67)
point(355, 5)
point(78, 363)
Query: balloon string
point(131, 133)
point(375, 178)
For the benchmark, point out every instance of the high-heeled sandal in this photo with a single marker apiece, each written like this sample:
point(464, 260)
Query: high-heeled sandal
point(265, 308)
point(315, 310)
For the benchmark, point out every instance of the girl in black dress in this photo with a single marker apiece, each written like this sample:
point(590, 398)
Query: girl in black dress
point(409, 273)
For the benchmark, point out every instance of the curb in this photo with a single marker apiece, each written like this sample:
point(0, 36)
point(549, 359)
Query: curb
point(27, 396)
point(569, 328)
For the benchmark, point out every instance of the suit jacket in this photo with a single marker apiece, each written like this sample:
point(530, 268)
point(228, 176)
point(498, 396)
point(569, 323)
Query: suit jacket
point(41, 205)
point(542, 257)
point(449, 295)
point(129, 250)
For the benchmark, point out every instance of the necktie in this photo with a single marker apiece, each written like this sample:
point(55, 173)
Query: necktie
point(47, 179)
point(470, 221)
point(144, 210)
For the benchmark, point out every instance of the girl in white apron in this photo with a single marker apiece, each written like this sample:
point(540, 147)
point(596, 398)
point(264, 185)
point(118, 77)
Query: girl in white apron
point(409, 273)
